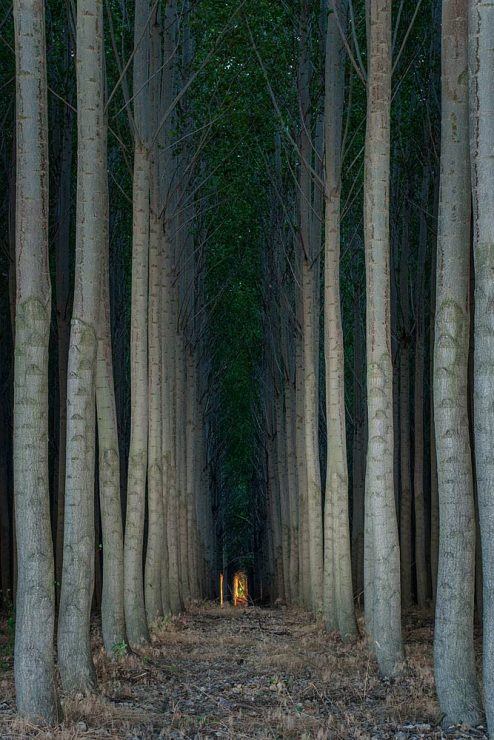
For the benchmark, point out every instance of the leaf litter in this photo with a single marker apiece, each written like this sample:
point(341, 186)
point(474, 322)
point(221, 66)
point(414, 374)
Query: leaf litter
point(248, 673)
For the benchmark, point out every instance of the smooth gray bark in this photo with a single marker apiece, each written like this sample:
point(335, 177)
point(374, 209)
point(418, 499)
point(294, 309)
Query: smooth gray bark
point(454, 657)
point(74, 647)
point(382, 551)
point(481, 63)
point(35, 601)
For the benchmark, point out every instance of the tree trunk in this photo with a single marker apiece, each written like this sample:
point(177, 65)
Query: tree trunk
point(152, 579)
point(112, 600)
point(74, 648)
point(338, 591)
point(294, 504)
point(35, 603)
point(170, 456)
point(310, 330)
point(418, 467)
point(406, 549)
point(382, 565)
point(135, 615)
point(454, 658)
point(481, 58)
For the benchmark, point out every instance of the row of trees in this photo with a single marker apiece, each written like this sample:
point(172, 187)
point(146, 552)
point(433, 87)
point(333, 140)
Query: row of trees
point(260, 340)
point(413, 533)
point(166, 555)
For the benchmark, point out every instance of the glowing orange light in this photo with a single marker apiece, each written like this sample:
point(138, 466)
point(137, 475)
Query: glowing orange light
point(240, 589)
point(221, 590)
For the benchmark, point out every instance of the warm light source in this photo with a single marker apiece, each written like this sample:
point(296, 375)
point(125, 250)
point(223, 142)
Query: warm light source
point(221, 590)
point(240, 589)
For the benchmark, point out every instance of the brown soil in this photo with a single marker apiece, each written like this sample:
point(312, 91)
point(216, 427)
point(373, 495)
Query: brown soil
point(250, 673)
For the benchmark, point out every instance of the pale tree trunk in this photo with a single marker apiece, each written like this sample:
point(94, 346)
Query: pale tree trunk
point(382, 565)
point(304, 564)
point(135, 615)
point(152, 581)
point(74, 648)
point(481, 57)
point(180, 416)
point(35, 603)
point(454, 657)
point(282, 483)
point(180, 402)
point(310, 331)
point(274, 516)
point(191, 469)
point(404, 430)
point(112, 599)
point(154, 549)
point(291, 457)
point(169, 456)
point(338, 591)
point(418, 466)
point(170, 570)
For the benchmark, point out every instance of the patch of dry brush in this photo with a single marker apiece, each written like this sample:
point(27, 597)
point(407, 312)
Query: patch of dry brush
point(253, 673)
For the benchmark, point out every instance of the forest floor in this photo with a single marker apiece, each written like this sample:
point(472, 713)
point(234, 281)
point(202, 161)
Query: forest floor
point(250, 673)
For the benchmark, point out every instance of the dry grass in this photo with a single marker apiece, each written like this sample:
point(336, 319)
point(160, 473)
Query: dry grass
point(247, 674)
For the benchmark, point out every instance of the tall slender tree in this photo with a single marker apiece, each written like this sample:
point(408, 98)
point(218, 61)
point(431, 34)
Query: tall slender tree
point(309, 323)
point(135, 616)
point(112, 597)
point(35, 599)
point(74, 648)
point(454, 657)
point(481, 63)
point(382, 556)
point(338, 592)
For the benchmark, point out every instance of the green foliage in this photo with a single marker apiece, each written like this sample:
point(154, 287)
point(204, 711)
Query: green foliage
point(119, 649)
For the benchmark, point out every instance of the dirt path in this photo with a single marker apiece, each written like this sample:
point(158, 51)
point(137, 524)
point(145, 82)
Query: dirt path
point(248, 674)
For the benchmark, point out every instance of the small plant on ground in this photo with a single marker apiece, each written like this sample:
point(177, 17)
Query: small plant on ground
point(119, 649)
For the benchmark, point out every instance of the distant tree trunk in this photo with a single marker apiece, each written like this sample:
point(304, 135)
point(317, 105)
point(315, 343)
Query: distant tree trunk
point(74, 648)
point(304, 564)
point(404, 429)
point(154, 549)
point(292, 491)
point(282, 481)
point(191, 452)
point(338, 591)
point(112, 600)
point(454, 657)
point(481, 58)
point(418, 468)
point(155, 480)
point(170, 457)
point(310, 331)
point(135, 615)
point(382, 565)
point(180, 416)
point(35, 603)
point(168, 193)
